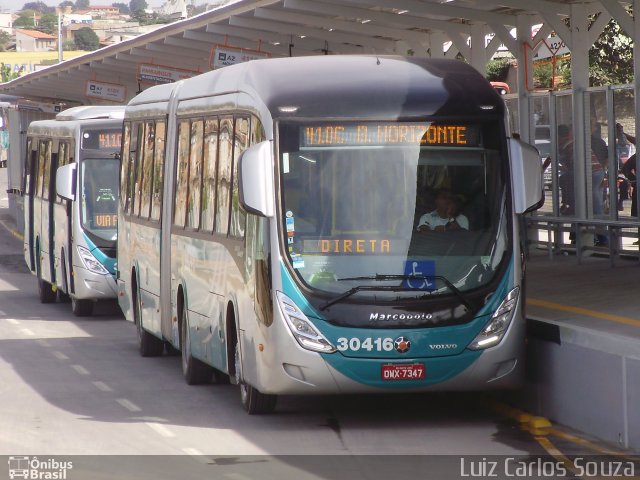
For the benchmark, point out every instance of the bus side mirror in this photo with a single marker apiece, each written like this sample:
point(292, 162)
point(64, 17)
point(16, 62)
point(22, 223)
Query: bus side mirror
point(526, 177)
point(255, 174)
point(65, 181)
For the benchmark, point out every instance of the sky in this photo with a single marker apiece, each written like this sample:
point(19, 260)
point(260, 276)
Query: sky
point(14, 5)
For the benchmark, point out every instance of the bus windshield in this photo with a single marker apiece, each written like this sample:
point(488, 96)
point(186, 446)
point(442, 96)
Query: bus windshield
point(404, 209)
point(99, 183)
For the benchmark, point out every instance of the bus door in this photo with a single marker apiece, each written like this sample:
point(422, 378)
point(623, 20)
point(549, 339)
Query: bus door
point(31, 169)
point(46, 206)
point(51, 197)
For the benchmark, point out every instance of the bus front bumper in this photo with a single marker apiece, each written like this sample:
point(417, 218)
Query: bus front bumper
point(309, 373)
point(93, 286)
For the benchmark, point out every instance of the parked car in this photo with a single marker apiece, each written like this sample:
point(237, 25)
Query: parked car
point(501, 87)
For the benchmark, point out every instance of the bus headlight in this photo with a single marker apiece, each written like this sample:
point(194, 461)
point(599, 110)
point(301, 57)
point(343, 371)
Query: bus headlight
point(90, 262)
point(303, 330)
point(497, 326)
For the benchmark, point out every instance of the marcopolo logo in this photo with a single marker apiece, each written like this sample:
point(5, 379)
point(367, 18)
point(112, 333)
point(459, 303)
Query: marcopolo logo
point(38, 469)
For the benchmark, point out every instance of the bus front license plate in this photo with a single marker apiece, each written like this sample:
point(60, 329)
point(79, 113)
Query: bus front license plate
point(414, 371)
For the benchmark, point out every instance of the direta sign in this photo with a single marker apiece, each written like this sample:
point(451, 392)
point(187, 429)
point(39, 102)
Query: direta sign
point(162, 74)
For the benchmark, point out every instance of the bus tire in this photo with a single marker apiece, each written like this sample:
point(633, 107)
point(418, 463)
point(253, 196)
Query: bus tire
point(253, 400)
point(81, 308)
point(170, 350)
point(220, 378)
point(45, 290)
point(195, 372)
point(148, 344)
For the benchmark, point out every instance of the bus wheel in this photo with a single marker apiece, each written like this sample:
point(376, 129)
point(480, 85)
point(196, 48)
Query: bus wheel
point(253, 401)
point(45, 290)
point(195, 372)
point(81, 308)
point(149, 345)
point(171, 350)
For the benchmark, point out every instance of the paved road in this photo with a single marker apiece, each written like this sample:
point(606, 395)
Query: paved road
point(71, 386)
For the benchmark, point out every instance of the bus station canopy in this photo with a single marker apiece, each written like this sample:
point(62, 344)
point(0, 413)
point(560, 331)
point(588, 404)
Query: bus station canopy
point(475, 29)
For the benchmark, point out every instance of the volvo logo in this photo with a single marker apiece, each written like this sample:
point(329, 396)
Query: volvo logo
point(402, 344)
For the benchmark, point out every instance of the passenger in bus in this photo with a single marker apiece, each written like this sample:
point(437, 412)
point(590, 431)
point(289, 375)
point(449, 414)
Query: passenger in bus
point(445, 217)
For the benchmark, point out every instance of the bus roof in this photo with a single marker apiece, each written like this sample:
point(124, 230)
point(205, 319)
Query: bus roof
point(70, 128)
point(348, 86)
point(88, 112)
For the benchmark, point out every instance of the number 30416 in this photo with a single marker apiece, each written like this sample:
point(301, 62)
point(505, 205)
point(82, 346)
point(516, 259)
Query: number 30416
point(369, 344)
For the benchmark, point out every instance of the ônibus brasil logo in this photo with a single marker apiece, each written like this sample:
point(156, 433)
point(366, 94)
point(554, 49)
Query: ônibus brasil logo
point(36, 469)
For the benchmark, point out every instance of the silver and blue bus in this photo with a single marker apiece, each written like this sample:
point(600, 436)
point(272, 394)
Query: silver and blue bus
point(71, 184)
point(332, 224)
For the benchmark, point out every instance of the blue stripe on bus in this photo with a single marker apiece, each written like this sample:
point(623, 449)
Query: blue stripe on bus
point(441, 365)
point(108, 262)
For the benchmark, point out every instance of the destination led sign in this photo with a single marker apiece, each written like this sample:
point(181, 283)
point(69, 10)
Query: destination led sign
point(110, 140)
point(105, 220)
point(408, 134)
point(102, 139)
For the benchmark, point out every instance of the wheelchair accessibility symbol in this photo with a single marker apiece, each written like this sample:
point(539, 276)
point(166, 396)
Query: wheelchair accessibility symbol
point(418, 268)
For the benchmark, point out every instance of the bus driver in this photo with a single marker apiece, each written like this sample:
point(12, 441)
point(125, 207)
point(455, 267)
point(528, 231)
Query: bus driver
point(445, 217)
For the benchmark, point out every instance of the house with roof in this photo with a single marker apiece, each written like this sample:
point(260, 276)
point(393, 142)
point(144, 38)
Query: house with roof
point(34, 41)
point(6, 23)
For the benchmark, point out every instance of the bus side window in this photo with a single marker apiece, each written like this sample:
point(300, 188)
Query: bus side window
point(139, 162)
point(257, 132)
point(28, 161)
point(158, 171)
point(124, 166)
point(195, 174)
point(147, 170)
point(240, 144)
point(182, 174)
point(210, 168)
point(41, 161)
point(46, 183)
point(225, 160)
point(62, 153)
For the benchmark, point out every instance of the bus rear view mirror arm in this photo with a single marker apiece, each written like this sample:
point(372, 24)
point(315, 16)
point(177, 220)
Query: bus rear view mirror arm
point(255, 174)
point(65, 181)
point(526, 176)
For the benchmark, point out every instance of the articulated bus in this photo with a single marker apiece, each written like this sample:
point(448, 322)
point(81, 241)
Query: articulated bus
point(70, 209)
point(331, 224)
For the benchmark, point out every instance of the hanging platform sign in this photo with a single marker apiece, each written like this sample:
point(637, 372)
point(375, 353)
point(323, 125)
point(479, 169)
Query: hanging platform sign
point(225, 55)
point(106, 91)
point(151, 73)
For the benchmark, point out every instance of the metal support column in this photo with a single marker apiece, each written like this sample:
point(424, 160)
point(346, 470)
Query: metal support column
point(478, 58)
point(524, 56)
point(580, 82)
point(437, 40)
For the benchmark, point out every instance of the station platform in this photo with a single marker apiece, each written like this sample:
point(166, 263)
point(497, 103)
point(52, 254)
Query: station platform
point(584, 345)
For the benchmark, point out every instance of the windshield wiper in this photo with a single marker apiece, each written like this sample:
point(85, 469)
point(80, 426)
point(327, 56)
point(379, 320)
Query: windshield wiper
point(379, 277)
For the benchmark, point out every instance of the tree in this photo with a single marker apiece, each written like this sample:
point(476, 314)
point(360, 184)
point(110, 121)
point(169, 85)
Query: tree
point(611, 57)
point(82, 4)
point(6, 74)
point(5, 40)
point(137, 8)
point(65, 4)
point(497, 70)
point(40, 7)
point(123, 7)
point(86, 39)
point(24, 21)
point(48, 23)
